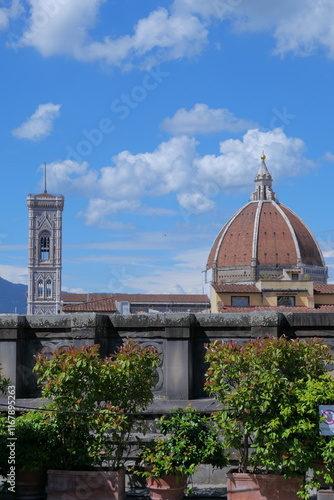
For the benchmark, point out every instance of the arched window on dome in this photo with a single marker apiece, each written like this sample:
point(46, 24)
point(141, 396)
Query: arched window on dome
point(44, 246)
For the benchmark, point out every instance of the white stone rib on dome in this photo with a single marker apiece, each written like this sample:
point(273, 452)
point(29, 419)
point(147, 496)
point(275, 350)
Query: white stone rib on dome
point(256, 229)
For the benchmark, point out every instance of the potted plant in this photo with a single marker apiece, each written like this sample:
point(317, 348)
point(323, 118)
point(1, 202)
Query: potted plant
point(92, 411)
point(190, 439)
point(4, 382)
point(315, 401)
point(268, 417)
point(24, 464)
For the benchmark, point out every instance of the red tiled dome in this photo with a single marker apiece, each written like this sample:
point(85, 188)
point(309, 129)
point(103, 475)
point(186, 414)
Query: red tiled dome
point(265, 237)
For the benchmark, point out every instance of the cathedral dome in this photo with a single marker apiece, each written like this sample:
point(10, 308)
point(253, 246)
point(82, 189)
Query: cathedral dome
point(265, 239)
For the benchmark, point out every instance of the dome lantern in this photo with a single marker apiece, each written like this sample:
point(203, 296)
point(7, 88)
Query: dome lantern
point(263, 183)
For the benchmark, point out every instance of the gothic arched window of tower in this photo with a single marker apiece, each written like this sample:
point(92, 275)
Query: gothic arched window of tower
point(44, 246)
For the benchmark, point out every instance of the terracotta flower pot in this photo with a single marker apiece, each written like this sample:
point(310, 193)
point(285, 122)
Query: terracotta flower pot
point(167, 487)
point(91, 485)
point(262, 487)
point(30, 485)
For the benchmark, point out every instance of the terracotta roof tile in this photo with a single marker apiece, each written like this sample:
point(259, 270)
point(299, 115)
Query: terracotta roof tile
point(141, 298)
point(328, 308)
point(322, 288)
point(165, 298)
point(309, 251)
point(83, 297)
point(102, 305)
point(46, 195)
point(236, 247)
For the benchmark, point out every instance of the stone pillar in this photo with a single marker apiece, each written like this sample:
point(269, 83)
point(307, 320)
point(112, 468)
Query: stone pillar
point(178, 369)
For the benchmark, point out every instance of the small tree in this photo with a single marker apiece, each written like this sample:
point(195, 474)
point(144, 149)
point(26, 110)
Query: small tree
point(264, 387)
point(94, 401)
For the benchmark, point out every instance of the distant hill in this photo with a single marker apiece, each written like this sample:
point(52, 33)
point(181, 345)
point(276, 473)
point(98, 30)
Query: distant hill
point(13, 297)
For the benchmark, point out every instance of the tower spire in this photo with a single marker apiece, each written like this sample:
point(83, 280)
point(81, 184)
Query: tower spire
point(263, 183)
point(45, 191)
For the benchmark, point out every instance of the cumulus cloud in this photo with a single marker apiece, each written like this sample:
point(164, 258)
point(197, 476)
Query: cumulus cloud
point(301, 26)
point(239, 158)
point(156, 38)
point(71, 176)
point(39, 124)
point(59, 27)
point(159, 37)
point(167, 33)
point(309, 29)
point(203, 120)
point(176, 168)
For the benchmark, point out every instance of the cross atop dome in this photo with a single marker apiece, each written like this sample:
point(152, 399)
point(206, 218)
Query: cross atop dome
point(263, 182)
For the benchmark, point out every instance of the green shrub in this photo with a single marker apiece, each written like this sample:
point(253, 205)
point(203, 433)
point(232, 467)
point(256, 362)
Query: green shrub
point(191, 439)
point(270, 390)
point(94, 402)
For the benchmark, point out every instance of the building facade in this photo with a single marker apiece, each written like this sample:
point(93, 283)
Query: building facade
point(44, 253)
point(134, 303)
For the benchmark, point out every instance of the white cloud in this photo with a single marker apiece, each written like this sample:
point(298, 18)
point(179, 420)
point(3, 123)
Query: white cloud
point(14, 274)
point(239, 159)
point(176, 168)
point(183, 274)
point(64, 27)
point(307, 30)
point(329, 157)
point(194, 202)
point(299, 26)
point(70, 176)
point(59, 27)
point(146, 240)
point(139, 262)
point(3, 19)
point(174, 281)
point(39, 124)
point(203, 120)
point(101, 208)
point(73, 290)
point(159, 37)
point(11, 12)
point(328, 254)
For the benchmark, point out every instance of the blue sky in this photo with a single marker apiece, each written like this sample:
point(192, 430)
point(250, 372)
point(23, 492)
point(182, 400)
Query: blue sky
point(152, 117)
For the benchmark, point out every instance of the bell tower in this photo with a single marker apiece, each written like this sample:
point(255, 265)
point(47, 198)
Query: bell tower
point(44, 253)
